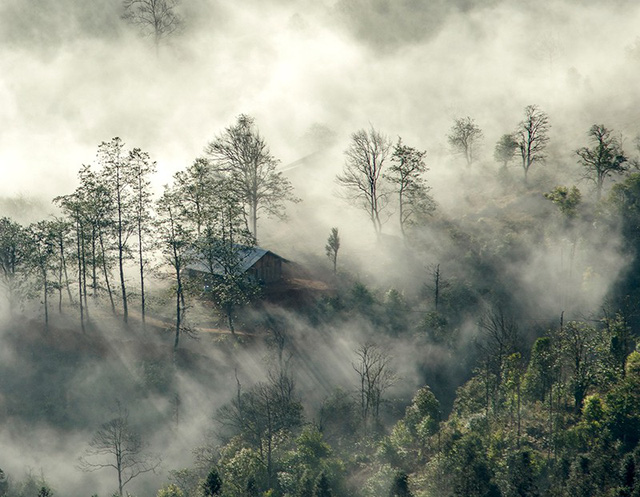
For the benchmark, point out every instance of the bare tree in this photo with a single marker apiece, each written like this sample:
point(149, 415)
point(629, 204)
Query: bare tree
point(332, 247)
point(242, 155)
point(156, 18)
point(376, 376)
point(361, 177)
point(464, 138)
point(116, 445)
point(532, 137)
point(604, 159)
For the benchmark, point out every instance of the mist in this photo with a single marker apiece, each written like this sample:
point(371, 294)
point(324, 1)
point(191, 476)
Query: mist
point(310, 73)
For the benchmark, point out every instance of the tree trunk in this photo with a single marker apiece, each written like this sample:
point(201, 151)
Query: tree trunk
point(125, 310)
point(229, 312)
point(79, 276)
point(66, 274)
point(94, 277)
point(84, 275)
point(141, 272)
point(106, 275)
point(179, 300)
point(46, 302)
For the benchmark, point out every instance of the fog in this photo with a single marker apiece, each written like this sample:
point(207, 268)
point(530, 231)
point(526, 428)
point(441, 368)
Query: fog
point(311, 73)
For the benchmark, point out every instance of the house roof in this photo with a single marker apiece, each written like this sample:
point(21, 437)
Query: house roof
point(248, 257)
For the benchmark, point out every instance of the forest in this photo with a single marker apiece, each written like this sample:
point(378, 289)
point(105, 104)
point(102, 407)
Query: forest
point(458, 309)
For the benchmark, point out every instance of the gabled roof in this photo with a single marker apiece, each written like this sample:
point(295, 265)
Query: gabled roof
point(248, 257)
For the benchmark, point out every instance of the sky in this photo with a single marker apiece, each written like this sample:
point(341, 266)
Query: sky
point(76, 74)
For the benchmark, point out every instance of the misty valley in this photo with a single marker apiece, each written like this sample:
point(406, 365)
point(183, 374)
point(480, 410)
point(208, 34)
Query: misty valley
point(322, 248)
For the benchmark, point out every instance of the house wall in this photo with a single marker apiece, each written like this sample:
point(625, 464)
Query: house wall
point(268, 269)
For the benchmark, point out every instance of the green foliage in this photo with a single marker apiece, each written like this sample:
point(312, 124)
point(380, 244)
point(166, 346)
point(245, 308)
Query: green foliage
point(170, 490)
point(396, 312)
point(187, 479)
point(542, 370)
point(47, 492)
point(322, 488)
point(400, 486)
point(14, 256)
point(519, 477)
point(212, 485)
point(332, 247)
point(471, 473)
point(362, 299)
point(242, 470)
point(566, 199)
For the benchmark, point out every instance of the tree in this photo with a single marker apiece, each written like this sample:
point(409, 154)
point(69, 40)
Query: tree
point(156, 18)
point(361, 178)
point(14, 257)
point(45, 491)
point(263, 412)
point(520, 476)
point(72, 205)
point(212, 485)
point(532, 137)
point(116, 445)
point(42, 241)
point(222, 247)
point(116, 174)
point(500, 340)
point(97, 207)
point(505, 149)
point(581, 344)
point(405, 172)
point(332, 247)
point(141, 168)
point(400, 486)
point(4, 484)
point(242, 155)
point(471, 473)
point(514, 372)
point(196, 189)
point(604, 159)
point(464, 138)
point(566, 199)
point(375, 375)
point(62, 230)
point(177, 240)
point(541, 375)
point(170, 490)
point(321, 487)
